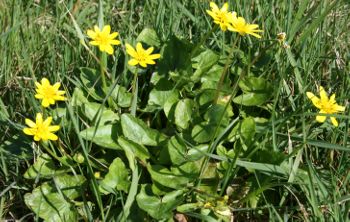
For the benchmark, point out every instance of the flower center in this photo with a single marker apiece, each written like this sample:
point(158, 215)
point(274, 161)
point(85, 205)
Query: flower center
point(141, 56)
point(327, 107)
point(49, 92)
point(102, 39)
point(40, 129)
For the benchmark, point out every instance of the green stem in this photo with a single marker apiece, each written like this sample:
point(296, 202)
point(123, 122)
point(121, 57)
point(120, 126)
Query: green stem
point(103, 65)
point(134, 93)
point(224, 71)
point(203, 39)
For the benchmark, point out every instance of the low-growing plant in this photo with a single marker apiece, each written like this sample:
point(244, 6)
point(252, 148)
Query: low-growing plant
point(164, 128)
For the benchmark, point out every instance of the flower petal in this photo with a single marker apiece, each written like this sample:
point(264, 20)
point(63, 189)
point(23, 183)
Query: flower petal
point(106, 29)
point(48, 121)
point(109, 49)
point(133, 62)
point(91, 34)
point(334, 121)
point(315, 100)
point(53, 128)
point(28, 131)
point(39, 118)
point(130, 50)
point(139, 47)
point(30, 123)
point(52, 136)
point(323, 94)
point(321, 119)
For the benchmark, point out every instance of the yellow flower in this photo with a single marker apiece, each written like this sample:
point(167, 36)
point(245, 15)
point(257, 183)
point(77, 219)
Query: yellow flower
point(221, 16)
point(242, 27)
point(103, 39)
point(41, 129)
point(48, 93)
point(326, 105)
point(140, 55)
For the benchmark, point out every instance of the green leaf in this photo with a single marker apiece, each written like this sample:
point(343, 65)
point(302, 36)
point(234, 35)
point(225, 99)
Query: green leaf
point(159, 97)
point(121, 96)
point(159, 207)
point(104, 136)
point(176, 58)
point(211, 78)
point(92, 109)
point(92, 83)
point(166, 177)
point(44, 167)
point(149, 36)
point(177, 150)
point(204, 132)
point(116, 178)
point(252, 99)
point(203, 62)
point(78, 97)
point(183, 113)
point(136, 130)
point(255, 84)
point(139, 150)
point(256, 91)
point(52, 204)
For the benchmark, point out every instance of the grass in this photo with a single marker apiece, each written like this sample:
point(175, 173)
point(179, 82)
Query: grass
point(294, 169)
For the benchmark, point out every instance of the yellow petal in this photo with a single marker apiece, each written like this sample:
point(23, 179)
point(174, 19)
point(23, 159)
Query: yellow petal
point(133, 62)
point(51, 136)
point(30, 123)
point(48, 121)
point(114, 42)
point(153, 56)
point(45, 82)
point(224, 7)
point(91, 34)
point(143, 64)
point(53, 128)
point(38, 85)
point(37, 138)
point(97, 29)
point(334, 121)
point(56, 86)
point(151, 62)
point(321, 119)
point(113, 35)
point(130, 50)
point(94, 43)
point(212, 14)
point(45, 103)
point(340, 108)
point(28, 131)
point(109, 49)
point(315, 100)
point(213, 6)
point(139, 47)
point(323, 94)
point(39, 118)
point(149, 50)
point(106, 29)
point(38, 96)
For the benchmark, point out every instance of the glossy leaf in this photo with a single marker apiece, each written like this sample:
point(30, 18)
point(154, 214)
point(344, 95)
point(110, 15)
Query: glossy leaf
point(44, 167)
point(53, 205)
point(136, 130)
point(104, 136)
point(183, 113)
point(149, 36)
point(159, 207)
point(116, 178)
